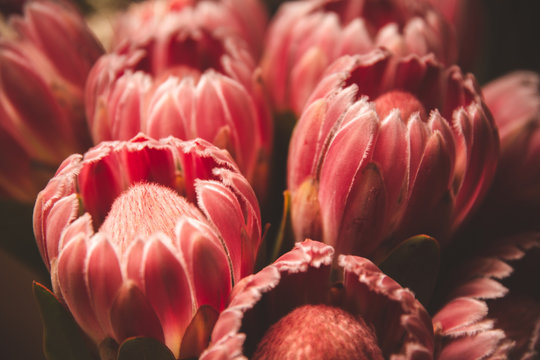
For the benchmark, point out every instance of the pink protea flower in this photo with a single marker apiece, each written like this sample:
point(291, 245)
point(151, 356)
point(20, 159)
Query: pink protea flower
point(138, 235)
point(514, 101)
point(43, 69)
point(290, 310)
point(490, 309)
point(389, 147)
point(186, 81)
point(307, 36)
point(245, 19)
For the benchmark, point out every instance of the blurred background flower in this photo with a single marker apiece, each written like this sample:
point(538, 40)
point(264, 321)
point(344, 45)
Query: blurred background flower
point(245, 19)
point(307, 36)
point(514, 100)
point(46, 61)
point(181, 74)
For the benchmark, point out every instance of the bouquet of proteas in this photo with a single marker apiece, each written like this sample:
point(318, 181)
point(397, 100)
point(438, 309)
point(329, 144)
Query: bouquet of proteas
point(313, 179)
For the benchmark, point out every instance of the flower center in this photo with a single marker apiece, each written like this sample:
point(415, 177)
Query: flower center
point(319, 332)
point(143, 210)
point(406, 102)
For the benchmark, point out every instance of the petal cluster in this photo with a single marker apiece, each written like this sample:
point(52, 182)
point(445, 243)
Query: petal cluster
point(146, 227)
point(186, 78)
point(490, 310)
point(413, 144)
point(244, 19)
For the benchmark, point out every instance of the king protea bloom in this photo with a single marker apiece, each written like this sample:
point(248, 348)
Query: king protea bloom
point(291, 310)
point(514, 100)
point(188, 81)
point(389, 147)
point(245, 19)
point(43, 69)
point(307, 36)
point(138, 235)
point(491, 306)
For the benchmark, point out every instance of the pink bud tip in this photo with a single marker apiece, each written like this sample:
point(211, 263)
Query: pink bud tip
point(406, 102)
point(142, 210)
point(319, 332)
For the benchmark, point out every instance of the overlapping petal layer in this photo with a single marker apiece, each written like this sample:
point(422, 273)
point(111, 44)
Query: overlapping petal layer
point(389, 147)
point(301, 278)
point(134, 235)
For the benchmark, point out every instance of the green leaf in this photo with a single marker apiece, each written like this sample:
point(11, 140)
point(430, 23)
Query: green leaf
point(143, 348)
point(414, 264)
point(62, 337)
point(197, 335)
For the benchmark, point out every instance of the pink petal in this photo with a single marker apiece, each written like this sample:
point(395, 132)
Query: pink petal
point(429, 204)
point(481, 288)
point(124, 108)
point(305, 143)
point(305, 76)
point(392, 156)
point(363, 221)
point(223, 210)
point(394, 311)
point(99, 182)
point(348, 153)
point(472, 348)
point(104, 279)
point(132, 315)
point(482, 151)
point(63, 212)
point(72, 281)
point(207, 263)
point(460, 312)
point(170, 109)
point(167, 289)
point(132, 262)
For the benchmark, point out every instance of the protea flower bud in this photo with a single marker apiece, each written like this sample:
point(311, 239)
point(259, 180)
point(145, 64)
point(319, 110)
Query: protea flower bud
point(514, 101)
point(307, 36)
point(43, 70)
point(138, 235)
point(186, 81)
point(290, 310)
point(388, 148)
point(245, 19)
point(490, 310)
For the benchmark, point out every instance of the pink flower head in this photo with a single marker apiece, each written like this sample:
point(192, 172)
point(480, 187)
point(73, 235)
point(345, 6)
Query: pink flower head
point(42, 74)
point(138, 235)
point(490, 308)
point(186, 81)
point(290, 310)
point(306, 36)
point(388, 148)
point(245, 19)
point(514, 101)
